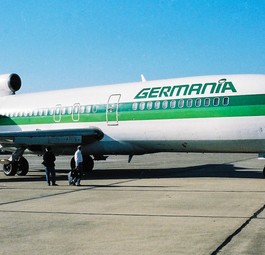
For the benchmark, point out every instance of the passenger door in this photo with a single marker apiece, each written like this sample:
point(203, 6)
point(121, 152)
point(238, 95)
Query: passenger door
point(112, 110)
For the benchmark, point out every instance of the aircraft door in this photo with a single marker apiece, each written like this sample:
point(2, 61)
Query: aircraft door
point(76, 112)
point(57, 113)
point(112, 110)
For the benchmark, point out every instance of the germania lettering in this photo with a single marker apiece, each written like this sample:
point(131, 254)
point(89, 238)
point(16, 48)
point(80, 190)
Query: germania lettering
point(222, 86)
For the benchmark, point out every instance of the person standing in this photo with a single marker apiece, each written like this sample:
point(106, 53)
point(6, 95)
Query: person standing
point(79, 165)
point(48, 162)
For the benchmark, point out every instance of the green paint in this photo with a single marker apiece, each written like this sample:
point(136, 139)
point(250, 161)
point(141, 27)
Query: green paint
point(251, 105)
point(223, 86)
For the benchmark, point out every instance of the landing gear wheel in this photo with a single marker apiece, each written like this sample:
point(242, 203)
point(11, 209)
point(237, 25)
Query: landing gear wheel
point(22, 166)
point(88, 164)
point(263, 172)
point(72, 163)
point(10, 169)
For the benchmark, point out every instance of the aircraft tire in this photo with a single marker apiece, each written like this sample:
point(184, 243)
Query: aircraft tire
point(263, 172)
point(72, 163)
point(22, 167)
point(10, 169)
point(88, 164)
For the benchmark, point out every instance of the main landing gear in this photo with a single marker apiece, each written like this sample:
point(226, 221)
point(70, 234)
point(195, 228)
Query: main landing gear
point(88, 164)
point(19, 167)
point(16, 164)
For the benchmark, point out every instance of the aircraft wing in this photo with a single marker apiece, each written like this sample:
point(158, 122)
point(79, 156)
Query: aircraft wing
point(53, 137)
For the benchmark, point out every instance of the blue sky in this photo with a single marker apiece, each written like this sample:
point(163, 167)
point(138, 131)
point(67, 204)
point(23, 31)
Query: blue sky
point(56, 44)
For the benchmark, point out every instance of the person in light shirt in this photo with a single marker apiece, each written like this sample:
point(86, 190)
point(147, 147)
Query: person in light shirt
point(78, 164)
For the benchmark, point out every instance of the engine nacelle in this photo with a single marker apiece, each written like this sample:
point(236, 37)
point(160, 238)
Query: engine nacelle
point(9, 84)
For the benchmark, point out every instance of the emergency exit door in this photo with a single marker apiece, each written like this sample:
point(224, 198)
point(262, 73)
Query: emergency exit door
point(112, 110)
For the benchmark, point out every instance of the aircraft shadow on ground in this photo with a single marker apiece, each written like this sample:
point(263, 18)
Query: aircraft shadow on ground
point(201, 171)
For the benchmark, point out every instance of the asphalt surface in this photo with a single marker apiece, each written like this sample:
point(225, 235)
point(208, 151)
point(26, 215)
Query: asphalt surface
point(157, 204)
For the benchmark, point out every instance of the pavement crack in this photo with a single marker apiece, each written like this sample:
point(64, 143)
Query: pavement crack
point(238, 230)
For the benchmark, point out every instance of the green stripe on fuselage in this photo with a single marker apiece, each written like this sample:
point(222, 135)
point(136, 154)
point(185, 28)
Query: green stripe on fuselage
point(251, 105)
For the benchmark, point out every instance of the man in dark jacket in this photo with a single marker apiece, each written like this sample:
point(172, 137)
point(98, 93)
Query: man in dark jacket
point(48, 162)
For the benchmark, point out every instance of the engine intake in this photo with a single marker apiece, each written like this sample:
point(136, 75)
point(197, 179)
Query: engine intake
point(9, 84)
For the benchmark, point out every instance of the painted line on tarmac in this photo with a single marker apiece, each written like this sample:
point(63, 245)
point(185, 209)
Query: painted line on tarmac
point(80, 188)
point(123, 214)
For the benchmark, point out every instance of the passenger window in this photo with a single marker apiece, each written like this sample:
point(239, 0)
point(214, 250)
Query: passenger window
point(57, 111)
point(94, 108)
point(149, 105)
point(198, 102)
point(164, 104)
point(75, 111)
point(157, 104)
point(172, 103)
point(88, 108)
point(40, 112)
point(181, 103)
point(69, 110)
point(142, 105)
point(206, 102)
point(189, 103)
point(82, 109)
point(216, 101)
point(226, 101)
point(45, 112)
point(51, 111)
point(135, 106)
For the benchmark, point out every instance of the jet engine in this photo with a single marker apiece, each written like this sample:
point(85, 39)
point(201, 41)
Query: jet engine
point(9, 84)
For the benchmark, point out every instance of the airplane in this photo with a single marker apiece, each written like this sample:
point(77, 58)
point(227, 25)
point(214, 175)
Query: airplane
point(215, 113)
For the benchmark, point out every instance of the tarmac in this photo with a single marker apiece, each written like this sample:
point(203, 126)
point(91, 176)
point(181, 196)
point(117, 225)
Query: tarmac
point(158, 204)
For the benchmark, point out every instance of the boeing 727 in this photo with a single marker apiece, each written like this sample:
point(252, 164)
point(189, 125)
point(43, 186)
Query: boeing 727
point(217, 113)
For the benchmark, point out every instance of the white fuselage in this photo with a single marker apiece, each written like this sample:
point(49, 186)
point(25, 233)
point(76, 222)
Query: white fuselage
point(223, 113)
